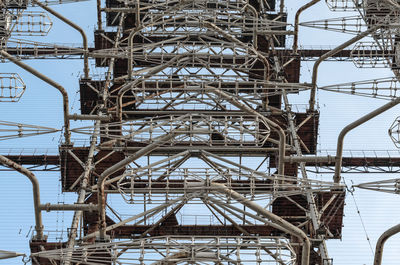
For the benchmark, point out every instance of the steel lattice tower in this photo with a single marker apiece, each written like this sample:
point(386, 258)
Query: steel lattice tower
point(193, 132)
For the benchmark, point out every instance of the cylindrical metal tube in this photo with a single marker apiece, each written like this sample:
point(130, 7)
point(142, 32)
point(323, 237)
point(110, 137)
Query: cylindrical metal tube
point(381, 242)
point(49, 81)
point(82, 190)
point(88, 117)
point(36, 192)
point(296, 23)
point(79, 29)
point(68, 207)
point(351, 126)
point(315, 159)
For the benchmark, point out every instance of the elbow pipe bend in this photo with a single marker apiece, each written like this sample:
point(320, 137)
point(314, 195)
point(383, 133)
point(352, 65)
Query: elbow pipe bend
point(351, 126)
point(296, 23)
point(381, 242)
point(76, 27)
point(329, 54)
point(36, 192)
point(49, 81)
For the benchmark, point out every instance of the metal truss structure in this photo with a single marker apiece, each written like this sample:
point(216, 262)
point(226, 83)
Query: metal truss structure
point(193, 130)
point(170, 249)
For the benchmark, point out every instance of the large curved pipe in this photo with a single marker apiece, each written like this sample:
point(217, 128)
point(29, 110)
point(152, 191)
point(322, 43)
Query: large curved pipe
point(130, 85)
point(296, 23)
point(73, 25)
point(132, 34)
point(49, 81)
point(351, 126)
point(381, 242)
point(292, 229)
point(329, 54)
point(36, 192)
point(111, 170)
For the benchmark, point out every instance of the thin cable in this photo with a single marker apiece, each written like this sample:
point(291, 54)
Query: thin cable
point(74, 100)
point(351, 191)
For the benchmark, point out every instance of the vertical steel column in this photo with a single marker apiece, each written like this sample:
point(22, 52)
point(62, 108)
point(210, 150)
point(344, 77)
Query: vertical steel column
point(82, 192)
point(314, 214)
point(99, 20)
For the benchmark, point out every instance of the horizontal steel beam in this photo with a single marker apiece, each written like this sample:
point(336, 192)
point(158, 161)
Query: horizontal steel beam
point(68, 207)
point(367, 162)
point(77, 53)
point(128, 231)
point(315, 159)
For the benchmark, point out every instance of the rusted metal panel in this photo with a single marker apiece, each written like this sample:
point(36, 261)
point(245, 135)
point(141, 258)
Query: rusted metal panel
point(129, 231)
point(332, 217)
point(35, 159)
point(292, 70)
point(111, 17)
point(89, 95)
point(307, 132)
point(71, 169)
point(103, 40)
